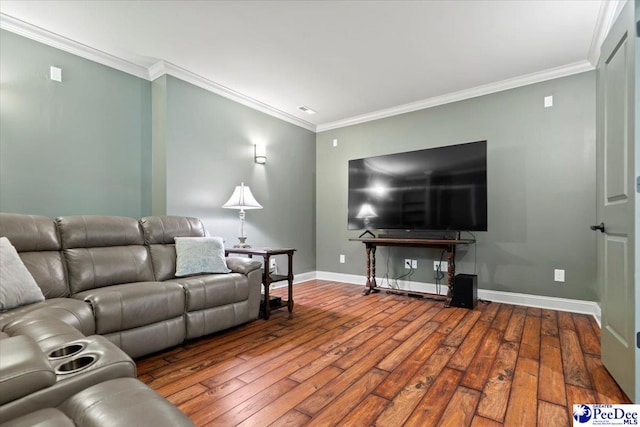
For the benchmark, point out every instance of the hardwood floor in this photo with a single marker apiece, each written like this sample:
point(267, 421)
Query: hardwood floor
point(388, 360)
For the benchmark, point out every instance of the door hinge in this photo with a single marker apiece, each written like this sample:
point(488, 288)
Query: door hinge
point(637, 184)
point(638, 339)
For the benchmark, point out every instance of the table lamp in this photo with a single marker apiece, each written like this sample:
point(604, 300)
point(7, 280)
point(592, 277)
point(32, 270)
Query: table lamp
point(366, 211)
point(242, 199)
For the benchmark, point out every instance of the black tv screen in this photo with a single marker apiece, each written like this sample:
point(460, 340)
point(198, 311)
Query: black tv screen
point(442, 188)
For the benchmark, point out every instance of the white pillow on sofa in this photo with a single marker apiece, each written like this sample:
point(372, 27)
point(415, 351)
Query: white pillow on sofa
point(17, 285)
point(196, 255)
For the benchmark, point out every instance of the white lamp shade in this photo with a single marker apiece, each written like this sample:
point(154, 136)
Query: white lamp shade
point(242, 199)
point(366, 211)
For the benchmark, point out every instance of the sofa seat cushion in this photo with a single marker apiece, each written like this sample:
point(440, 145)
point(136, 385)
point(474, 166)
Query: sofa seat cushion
point(131, 305)
point(213, 290)
point(72, 312)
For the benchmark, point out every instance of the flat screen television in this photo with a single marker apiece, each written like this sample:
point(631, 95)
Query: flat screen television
point(442, 188)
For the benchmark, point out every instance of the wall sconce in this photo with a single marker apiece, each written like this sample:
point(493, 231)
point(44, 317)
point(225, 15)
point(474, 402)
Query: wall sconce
point(260, 152)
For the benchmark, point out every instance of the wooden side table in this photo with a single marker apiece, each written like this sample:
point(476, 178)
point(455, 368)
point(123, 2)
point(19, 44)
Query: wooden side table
point(268, 278)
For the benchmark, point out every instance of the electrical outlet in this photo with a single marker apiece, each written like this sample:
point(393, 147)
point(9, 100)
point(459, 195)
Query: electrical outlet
point(444, 266)
point(414, 263)
point(407, 264)
point(342, 259)
point(558, 275)
point(273, 266)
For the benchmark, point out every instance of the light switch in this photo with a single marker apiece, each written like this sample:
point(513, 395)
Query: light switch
point(548, 101)
point(55, 74)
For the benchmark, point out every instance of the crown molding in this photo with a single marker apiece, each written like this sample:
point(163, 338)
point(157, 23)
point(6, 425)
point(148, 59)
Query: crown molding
point(606, 16)
point(550, 74)
point(48, 38)
point(609, 10)
point(40, 35)
point(163, 67)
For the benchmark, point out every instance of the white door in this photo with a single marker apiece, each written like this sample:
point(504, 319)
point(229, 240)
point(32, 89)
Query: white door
point(617, 210)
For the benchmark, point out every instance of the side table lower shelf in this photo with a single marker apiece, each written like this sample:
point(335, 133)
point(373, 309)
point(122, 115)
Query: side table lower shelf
point(275, 302)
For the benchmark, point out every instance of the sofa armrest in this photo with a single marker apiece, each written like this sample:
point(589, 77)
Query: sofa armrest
point(243, 265)
point(24, 369)
point(123, 402)
point(48, 332)
point(76, 313)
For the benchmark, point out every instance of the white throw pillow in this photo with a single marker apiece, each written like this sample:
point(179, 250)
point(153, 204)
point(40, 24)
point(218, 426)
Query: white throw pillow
point(17, 285)
point(196, 255)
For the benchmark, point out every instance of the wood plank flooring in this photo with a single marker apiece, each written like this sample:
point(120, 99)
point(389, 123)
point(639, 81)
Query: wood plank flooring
point(388, 360)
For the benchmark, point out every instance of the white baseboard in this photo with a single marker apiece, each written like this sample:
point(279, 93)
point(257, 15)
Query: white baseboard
point(539, 301)
point(303, 277)
point(563, 304)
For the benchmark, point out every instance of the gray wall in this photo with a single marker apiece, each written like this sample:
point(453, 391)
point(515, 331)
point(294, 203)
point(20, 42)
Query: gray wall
point(541, 185)
point(158, 173)
point(85, 146)
point(77, 147)
point(105, 142)
point(209, 150)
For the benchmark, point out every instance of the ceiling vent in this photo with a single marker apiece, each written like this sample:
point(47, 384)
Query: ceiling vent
point(306, 109)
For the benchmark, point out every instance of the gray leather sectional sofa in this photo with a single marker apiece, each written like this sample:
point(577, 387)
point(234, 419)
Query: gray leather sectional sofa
point(110, 295)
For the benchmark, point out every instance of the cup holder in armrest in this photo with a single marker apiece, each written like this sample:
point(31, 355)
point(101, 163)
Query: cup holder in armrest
point(77, 364)
point(67, 351)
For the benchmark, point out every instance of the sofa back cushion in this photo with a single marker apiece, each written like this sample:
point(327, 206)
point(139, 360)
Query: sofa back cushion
point(103, 250)
point(38, 244)
point(160, 233)
point(17, 285)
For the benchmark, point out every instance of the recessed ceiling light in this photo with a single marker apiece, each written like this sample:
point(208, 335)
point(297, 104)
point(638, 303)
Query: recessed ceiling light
point(306, 109)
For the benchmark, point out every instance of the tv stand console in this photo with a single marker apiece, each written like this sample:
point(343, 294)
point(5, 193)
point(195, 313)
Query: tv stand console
point(372, 243)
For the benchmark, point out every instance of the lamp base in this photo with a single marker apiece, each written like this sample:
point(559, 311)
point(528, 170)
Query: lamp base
point(242, 243)
point(365, 233)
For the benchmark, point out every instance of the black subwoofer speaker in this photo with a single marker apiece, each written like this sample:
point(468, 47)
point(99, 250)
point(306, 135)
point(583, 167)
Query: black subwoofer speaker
point(465, 291)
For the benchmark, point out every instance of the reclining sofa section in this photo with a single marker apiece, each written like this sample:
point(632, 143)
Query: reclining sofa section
point(115, 276)
point(109, 267)
point(214, 302)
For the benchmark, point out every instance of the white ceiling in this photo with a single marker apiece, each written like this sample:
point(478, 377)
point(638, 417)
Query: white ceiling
point(350, 61)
